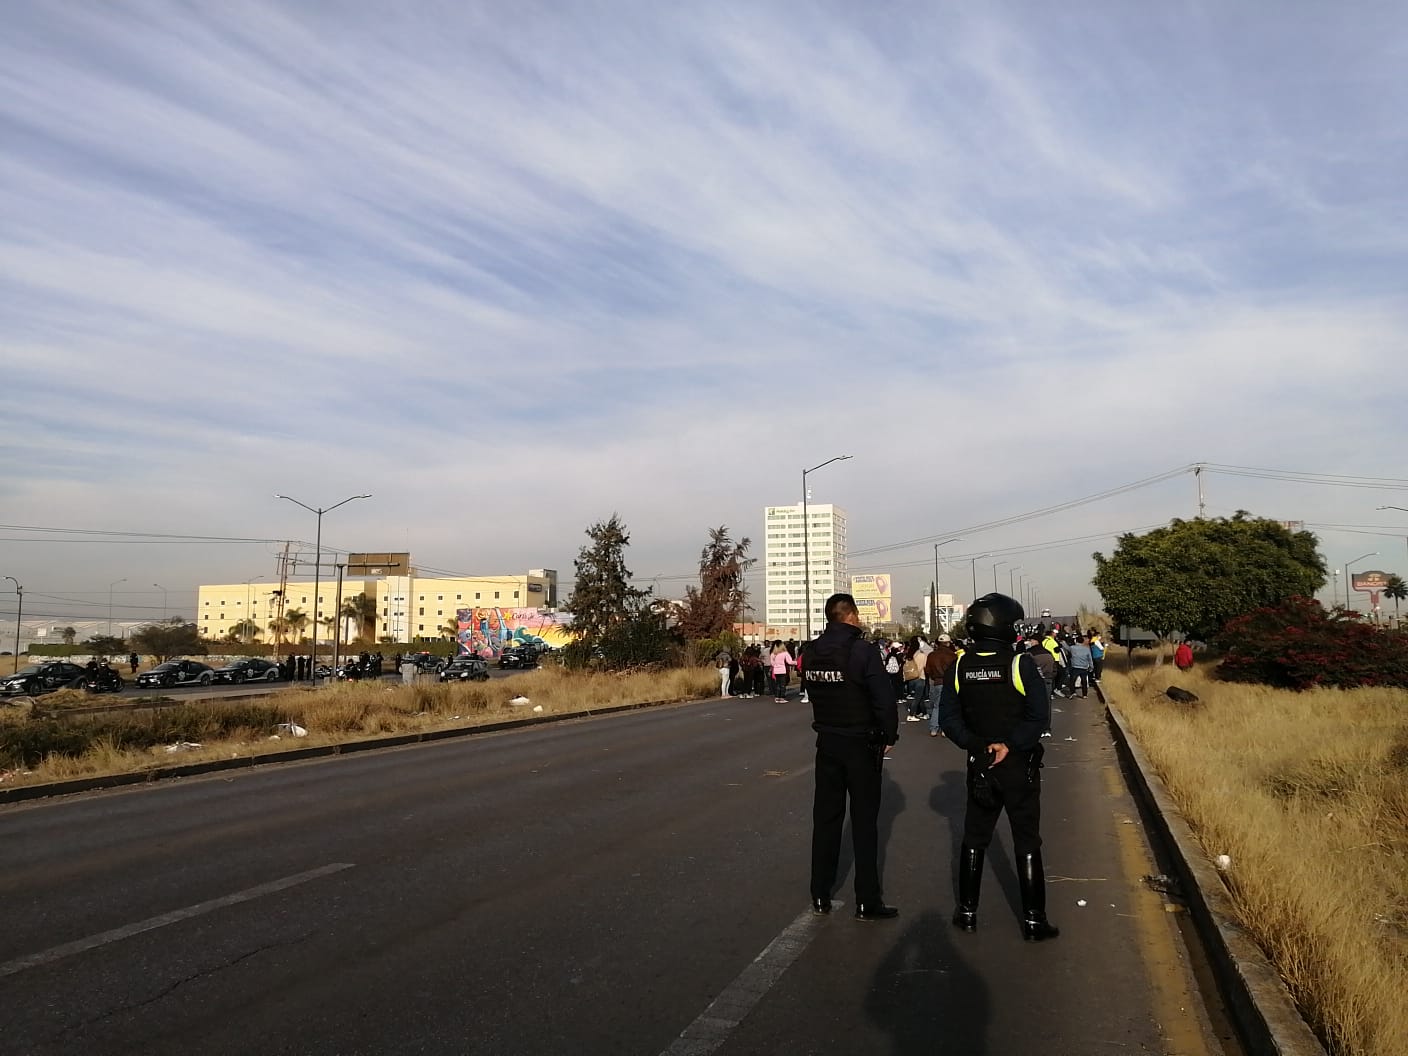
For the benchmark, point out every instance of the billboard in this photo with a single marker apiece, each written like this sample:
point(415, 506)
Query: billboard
point(487, 632)
point(1373, 582)
point(873, 598)
point(381, 563)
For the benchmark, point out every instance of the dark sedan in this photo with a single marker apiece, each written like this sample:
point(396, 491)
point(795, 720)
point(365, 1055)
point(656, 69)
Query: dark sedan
point(465, 669)
point(521, 656)
point(178, 673)
point(41, 678)
point(248, 669)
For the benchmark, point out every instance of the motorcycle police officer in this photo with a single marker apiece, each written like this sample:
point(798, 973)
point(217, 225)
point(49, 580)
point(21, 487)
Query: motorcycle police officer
point(994, 706)
point(856, 719)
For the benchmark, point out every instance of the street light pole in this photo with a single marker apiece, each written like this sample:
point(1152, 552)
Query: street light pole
point(247, 621)
point(934, 601)
point(19, 612)
point(1404, 509)
point(1012, 580)
point(110, 586)
point(995, 566)
point(807, 539)
point(318, 565)
point(163, 600)
point(1349, 583)
point(974, 570)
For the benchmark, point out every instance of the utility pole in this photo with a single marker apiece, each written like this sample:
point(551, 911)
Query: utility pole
point(19, 612)
point(1198, 476)
point(807, 539)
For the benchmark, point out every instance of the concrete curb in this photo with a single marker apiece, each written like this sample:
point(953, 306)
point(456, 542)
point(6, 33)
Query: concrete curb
point(1259, 1003)
point(162, 773)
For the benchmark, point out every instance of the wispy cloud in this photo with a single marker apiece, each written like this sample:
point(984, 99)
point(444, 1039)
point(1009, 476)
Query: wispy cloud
point(511, 267)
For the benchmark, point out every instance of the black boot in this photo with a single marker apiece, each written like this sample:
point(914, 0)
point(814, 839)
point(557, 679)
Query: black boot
point(1031, 878)
point(970, 882)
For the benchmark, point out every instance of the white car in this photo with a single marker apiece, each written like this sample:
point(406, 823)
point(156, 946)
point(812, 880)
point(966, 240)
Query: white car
point(1046, 614)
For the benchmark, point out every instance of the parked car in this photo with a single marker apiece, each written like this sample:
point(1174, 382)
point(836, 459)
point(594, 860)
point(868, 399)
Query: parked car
point(41, 678)
point(178, 673)
point(248, 669)
point(521, 656)
point(465, 669)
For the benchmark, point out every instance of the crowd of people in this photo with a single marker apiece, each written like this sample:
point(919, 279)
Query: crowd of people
point(1069, 660)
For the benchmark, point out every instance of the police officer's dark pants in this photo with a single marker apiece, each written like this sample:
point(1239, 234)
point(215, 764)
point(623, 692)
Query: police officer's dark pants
point(846, 765)
point(1015, 794)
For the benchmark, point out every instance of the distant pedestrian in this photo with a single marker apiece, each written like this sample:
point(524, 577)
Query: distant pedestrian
point(779, 661)
point(1097, 657)
point(1183, 656)
point(724, 663)
point(1081, 662)
point(939, 661)
point(133, 661)
point(915, 685)
point(751, 671)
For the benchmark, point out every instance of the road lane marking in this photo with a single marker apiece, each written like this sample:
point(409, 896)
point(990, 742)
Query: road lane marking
point(712, 1027)
point(68, 949)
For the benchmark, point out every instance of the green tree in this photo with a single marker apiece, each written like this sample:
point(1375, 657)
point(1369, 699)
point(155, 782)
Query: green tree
point(70, 635)
point(615, 623)
point(1396, 589)
point(168, 638)
point(717, 603)
point(1194, 576)
point(296, 621)
point(105, 645)
point(243, 631)
point(362, 610)
point(450, 629)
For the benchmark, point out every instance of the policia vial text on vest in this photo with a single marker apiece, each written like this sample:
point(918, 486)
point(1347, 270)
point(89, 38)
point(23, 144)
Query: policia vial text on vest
point(994, 706)
point(856, 718)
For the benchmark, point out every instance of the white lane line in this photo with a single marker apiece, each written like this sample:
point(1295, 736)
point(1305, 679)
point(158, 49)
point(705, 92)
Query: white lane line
point(68, 949)
point(713, 1026)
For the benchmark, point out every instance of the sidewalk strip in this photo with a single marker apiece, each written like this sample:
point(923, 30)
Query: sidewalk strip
point(68, 949)
point(713, 1026)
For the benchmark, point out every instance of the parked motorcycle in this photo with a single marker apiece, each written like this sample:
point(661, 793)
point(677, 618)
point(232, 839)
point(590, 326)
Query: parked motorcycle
point(103, 680)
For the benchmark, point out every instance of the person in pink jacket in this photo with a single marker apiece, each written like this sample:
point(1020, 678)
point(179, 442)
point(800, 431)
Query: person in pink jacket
point(780, 660)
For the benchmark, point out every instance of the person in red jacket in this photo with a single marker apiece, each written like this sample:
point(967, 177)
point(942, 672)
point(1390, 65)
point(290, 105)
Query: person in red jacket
point(1183, 656)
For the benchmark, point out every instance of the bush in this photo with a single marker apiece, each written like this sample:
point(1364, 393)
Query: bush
point(1296, 644)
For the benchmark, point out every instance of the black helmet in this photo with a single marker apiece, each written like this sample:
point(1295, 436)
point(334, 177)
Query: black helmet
point(993, 618)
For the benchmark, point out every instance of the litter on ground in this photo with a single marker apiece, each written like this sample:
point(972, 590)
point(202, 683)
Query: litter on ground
point(519, 701)
point(184, 746)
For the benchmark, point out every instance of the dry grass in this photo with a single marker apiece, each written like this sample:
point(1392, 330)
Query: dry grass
point(352, 711)
point(1308, 794)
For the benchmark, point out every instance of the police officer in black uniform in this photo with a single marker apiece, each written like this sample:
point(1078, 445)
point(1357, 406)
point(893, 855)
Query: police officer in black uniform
point(856, 721)
point(994, 706)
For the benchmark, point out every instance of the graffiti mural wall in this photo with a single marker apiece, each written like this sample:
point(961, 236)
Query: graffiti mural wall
point(487, 632)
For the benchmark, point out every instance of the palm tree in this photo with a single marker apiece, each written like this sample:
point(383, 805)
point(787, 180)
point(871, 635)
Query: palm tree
point(1396, 589)
point(70, 634)
point(451, 629)
point(279, 627)
point(244, 630)
point(362, 609)
point(297, 621)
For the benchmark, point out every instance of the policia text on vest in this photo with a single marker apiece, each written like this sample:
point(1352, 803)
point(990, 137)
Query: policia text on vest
point(994, 706)
point(856, 718)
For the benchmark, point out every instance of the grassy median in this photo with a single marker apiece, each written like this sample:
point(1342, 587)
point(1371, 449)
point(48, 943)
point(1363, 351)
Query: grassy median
point(1308, 795)
point(36, 749)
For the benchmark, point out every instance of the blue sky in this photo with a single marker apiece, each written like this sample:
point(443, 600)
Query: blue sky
point(511, 267)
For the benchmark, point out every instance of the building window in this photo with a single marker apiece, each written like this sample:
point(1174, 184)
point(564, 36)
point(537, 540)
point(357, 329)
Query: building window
point(476, 595)
point(420, 627)
point(222, 604)
point(422, 609)
point(459, 597)
point(515, 593)
point(496, 595)
point(439, 597)
point(439, 612)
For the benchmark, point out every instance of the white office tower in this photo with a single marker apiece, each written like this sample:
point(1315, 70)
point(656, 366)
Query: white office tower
point(786, 563)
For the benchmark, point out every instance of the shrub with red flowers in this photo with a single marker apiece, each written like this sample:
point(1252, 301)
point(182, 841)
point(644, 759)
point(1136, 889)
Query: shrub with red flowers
point(1296, 644)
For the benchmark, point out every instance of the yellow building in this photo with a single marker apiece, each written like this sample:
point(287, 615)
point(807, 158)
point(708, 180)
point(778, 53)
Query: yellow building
point(408, 608)
point(416, 608)
point(221, 606)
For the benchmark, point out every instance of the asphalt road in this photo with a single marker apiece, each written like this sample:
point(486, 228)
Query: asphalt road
point(595, 886)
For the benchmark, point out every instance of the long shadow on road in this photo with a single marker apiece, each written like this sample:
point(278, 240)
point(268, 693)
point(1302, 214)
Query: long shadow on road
point(925, 995)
